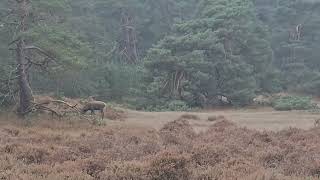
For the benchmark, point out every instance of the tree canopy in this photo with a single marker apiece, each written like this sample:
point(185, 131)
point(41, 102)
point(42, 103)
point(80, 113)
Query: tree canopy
point(163, 54)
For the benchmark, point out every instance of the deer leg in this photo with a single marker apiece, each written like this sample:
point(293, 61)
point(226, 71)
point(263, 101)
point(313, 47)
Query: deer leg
point(92, 112)
point(102, 113)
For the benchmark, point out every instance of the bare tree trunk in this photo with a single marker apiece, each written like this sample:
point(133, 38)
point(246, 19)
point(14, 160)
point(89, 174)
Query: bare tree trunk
point(25, 92)
point(128, 45)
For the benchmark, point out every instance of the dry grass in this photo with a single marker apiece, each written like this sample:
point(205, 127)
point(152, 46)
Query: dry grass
point(115, 114)
point(57, 150)
point(190, 117)
point(215, 118)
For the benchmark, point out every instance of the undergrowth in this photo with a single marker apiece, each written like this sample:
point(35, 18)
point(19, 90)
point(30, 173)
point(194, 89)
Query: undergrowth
point(293, 103)
point(57, 151)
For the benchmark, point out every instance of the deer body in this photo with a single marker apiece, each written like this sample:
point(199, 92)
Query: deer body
point(93, 106)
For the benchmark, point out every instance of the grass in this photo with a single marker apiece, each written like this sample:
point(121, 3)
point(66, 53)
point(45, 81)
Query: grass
point(190, 117)
point(53, 150)
point(215, 118)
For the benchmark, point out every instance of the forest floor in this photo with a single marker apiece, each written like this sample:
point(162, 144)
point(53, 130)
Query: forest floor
point(164, 145)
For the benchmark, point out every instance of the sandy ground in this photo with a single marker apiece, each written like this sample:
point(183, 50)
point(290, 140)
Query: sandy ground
point(261, 119)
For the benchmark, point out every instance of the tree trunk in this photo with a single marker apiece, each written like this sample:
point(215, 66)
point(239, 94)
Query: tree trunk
point(25, 92)
point(128, 45)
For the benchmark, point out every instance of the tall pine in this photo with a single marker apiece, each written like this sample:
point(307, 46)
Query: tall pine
point(224, 51)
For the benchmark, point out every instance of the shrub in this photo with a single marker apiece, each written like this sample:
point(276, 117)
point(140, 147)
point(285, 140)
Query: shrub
point(93, 168)
point(30, 155)
point(178, 132)
point(176, 151)
point(169, 166)
point(124, 170)
point(293, 103)
point(174, 105)
point(177, 106)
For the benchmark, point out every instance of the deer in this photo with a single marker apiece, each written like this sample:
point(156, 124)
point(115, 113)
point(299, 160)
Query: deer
point(93, 105)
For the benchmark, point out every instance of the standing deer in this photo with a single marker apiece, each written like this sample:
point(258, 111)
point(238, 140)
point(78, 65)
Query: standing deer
point(93, 105)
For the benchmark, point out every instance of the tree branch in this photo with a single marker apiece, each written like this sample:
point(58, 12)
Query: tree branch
point(14, 41)
point(41, 51)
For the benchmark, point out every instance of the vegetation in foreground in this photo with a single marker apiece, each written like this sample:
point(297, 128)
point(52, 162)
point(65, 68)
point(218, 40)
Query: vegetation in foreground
point(60, 150)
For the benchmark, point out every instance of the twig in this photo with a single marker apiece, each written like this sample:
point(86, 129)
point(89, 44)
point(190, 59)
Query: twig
point(65, 103)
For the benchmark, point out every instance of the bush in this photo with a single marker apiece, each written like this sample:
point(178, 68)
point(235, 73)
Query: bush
point(174, 105)
point(293, 103)
point(178, 132)
point(177, 106)
point(169, 166)
point(124, 170)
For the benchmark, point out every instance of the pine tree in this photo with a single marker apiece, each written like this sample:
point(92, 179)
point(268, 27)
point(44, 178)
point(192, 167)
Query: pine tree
point(37, 38)
point(224, 51)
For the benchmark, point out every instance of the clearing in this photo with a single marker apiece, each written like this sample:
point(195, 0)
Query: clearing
point(260, 119)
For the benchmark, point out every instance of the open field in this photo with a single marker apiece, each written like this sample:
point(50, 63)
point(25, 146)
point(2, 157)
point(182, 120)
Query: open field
point(164, 146)
point(260, 119)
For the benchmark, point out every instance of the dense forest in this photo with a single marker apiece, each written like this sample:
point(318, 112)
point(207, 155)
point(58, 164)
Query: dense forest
point(159, 54)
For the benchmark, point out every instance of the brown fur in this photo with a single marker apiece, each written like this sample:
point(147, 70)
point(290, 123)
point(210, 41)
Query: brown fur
point(93, 106)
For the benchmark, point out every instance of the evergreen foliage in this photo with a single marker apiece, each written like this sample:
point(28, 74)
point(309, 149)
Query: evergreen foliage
point(167, 55)
point(224, 51)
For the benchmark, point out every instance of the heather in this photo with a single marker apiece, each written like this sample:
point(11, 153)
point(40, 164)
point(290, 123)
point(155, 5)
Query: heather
point(59, 150)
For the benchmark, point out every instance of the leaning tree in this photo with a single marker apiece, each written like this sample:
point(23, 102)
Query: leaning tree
point(19, 20)
point(24, 52)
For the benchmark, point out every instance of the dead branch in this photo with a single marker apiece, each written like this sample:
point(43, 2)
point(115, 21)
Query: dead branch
point(172, 83)
point(175, 81)
point(43, 65)
point(112, 51)
point(45, 108)
point(67, 104)
point(179, 80)
point(35, 63)
point(14, 41)
point(41, 51)
point(165, 84)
